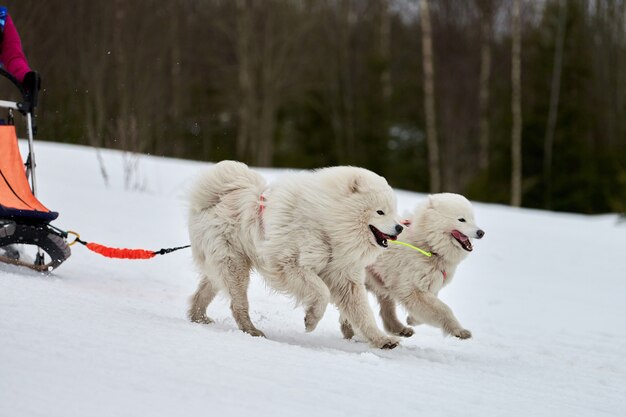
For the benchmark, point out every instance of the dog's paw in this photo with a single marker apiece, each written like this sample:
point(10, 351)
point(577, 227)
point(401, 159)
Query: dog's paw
point(406, 332)
point(462, 333)
point(386, 342)
point(311, 319)
point(254, 332)
point(199, 318)
point(347, 330)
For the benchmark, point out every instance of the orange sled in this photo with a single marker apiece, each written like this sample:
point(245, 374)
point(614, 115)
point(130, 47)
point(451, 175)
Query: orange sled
point(23, 219)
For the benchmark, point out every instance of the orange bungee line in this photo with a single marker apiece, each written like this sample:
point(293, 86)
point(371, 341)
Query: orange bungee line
point(119, 253)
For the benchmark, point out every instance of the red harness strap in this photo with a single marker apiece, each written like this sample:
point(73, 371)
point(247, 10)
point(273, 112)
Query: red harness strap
point(261, 210)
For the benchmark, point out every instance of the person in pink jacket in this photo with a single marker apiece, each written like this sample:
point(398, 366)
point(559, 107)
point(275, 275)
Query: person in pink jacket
point(12, 56)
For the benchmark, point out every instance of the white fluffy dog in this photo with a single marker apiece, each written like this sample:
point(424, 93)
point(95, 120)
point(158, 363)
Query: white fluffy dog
point(310, 235)
point(444, 227)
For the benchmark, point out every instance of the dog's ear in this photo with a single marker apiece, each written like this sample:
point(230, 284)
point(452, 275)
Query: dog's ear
point(354, 186)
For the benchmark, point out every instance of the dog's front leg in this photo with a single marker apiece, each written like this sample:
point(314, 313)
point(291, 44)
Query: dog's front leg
point(390, 319)
point(305, 285)
point(427, 308)
point(351, 299)
point(346, 328)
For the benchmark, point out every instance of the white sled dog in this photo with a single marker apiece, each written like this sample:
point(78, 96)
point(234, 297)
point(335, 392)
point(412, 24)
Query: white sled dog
point(443, 226)
point(310, 235)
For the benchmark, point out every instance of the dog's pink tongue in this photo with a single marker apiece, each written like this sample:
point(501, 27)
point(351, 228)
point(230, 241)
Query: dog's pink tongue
point(460, 236)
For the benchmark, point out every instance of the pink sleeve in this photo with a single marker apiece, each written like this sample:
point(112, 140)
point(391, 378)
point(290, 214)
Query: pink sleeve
point(12, 56)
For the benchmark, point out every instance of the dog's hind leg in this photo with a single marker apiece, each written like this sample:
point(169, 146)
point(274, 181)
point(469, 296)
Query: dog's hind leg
point(237, 278)
point(429, 309)
point(390, 319)
point(351, 299)
point(200, 300)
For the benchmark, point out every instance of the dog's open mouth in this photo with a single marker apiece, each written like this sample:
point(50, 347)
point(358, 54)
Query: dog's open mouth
point(382, 238)
point(463, 240)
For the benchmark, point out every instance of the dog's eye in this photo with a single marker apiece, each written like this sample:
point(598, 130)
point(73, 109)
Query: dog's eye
point(382, 213)
point(462, 220)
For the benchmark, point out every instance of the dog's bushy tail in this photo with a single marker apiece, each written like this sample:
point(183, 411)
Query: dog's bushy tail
point(224, 178)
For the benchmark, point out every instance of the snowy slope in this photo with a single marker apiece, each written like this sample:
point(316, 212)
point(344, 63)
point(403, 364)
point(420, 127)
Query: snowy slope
point(542, 294)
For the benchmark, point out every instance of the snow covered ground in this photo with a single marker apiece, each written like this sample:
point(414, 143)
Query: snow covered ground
point(542, 293)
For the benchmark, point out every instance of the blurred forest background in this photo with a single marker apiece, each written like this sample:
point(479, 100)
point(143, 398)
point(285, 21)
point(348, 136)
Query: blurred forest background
point(519, 102)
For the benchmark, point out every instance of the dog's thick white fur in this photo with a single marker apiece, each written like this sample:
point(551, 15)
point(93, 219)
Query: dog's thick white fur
point(444, 225)
point(310, 235)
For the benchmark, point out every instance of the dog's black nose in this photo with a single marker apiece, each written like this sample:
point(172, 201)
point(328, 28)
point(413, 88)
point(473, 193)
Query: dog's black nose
point(399, 228)
point(480, 233)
